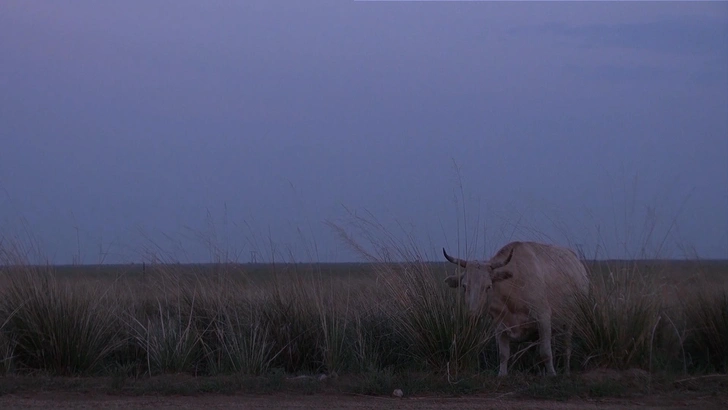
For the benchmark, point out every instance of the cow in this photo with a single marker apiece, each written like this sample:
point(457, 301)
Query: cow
point(522, 287)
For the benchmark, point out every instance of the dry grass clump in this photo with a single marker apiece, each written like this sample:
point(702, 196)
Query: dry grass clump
point(434, 321)
point(57, 327)
point(706, 314)
point(617, 321)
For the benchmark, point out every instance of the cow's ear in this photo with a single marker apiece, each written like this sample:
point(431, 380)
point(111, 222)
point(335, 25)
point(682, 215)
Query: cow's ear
point(454, 280)
point(500, 275)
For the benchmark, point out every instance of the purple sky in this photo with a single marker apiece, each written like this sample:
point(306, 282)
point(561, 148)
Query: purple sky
point(577, 122)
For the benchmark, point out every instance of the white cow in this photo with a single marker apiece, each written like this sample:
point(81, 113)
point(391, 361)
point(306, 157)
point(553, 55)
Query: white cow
point(522, 286)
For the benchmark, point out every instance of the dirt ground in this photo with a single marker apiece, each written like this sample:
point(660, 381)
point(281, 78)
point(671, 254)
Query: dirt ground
point(57, 400)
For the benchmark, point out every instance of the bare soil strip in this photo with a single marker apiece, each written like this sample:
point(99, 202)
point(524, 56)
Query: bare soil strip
point(60, 400)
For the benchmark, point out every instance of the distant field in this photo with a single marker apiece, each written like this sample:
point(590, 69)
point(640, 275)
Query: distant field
point(676, 276)
point(713, 270)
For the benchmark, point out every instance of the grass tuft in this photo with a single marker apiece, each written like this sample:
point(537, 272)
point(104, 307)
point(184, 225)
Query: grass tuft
point(56, 327)
point(616, 321)
point(707, 318)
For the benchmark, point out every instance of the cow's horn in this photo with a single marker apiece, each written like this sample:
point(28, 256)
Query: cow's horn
point(456, 261)
point(500, 264)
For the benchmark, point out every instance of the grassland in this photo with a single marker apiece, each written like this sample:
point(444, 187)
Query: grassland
point(359, 328)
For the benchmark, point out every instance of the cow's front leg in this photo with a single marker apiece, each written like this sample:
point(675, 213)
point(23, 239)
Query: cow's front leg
point(569, 336)
point(544, 336)
point(504, 352)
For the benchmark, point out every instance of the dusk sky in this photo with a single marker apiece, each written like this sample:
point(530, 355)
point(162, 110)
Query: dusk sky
point(124, 124)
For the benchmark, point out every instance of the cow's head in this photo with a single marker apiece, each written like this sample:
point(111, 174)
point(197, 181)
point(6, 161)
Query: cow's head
point(478, 279)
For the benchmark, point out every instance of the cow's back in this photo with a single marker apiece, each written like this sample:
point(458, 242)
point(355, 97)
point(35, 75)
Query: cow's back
point(544, 275)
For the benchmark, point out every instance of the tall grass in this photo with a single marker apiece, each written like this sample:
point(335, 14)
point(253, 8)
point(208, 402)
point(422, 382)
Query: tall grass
point(430, 318)
point(168, 339)
point(707, 316)
point(404, 320)
point(399, 317)
point(57, 327)
point(616, 321)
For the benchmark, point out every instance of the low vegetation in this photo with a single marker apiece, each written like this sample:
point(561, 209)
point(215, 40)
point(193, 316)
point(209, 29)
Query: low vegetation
point(373, 327)
point(400, 320)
